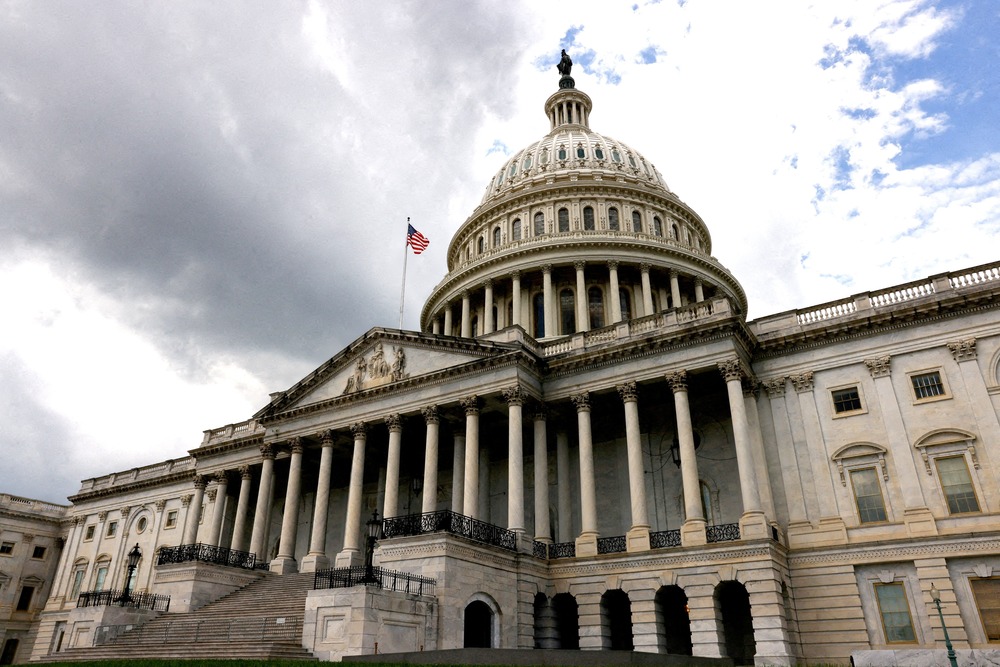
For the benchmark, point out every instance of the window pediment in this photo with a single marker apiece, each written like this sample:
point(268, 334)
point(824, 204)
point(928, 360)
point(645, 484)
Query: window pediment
point(860, 450)
point(946, 441)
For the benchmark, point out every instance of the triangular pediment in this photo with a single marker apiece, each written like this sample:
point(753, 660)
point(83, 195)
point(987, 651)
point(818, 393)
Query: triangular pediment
point(379, 359)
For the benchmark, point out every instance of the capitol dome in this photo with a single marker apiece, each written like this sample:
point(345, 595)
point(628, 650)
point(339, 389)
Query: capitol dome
point(577, 231)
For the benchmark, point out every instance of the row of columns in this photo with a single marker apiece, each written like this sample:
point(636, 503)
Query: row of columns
point(549, 301)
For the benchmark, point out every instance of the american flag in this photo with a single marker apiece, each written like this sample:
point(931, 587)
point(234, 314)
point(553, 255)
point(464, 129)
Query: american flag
point(416, 240)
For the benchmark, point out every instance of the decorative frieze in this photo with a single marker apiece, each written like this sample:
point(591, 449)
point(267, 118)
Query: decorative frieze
point(677, 381)
point(628, 391)
point(879, 367)
point(963, 350)
point(802, 381)
point(377, 370)
point(581, 401)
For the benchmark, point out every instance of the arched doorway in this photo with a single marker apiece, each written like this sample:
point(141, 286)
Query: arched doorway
point(733, 603)
point(616, 620)
point(673, 620)
point(478, 625)
point(567, 621)
point(9, 651)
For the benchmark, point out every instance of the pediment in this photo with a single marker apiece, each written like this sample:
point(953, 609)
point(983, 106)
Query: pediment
point(944, 437)
point(380, 359)
point(858, 449)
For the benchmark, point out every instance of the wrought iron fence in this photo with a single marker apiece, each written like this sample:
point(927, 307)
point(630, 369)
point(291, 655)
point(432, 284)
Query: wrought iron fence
point(726, 532)
point(206, 553)
point(540, 550)
point(562, 550)
point(611, 545)
point(361, 575)
point(450, 522)
point(132, 599)
point(664, 539)
point(266, 628)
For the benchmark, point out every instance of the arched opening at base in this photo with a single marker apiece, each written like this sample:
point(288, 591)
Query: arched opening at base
point(733, 603)
point(9, 652)
point(673, 621)
point(567, 621)
point(478, 625)
point(616, 620)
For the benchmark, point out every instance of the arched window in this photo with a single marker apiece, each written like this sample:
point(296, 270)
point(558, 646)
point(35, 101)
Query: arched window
point(615, 156)
point(516, 229)
point(595, 300)
point(480, 245)
point(538, 310)
point(496, 237)
point(598, 153)
point(674, 232)
point(626, 302)
point(79, 570)
point(527, 163)
point(563, 220)
point(539, 224)
point(562, 153)
point(101, 567)
point(613, 218)
point(636, 221)
point(581, 152)
point(588, 218)
point(567, 312)
point(657, 226)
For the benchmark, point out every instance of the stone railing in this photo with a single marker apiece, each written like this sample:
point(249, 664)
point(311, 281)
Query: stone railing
point(138, 474)
point(17, 503)
point(240, 430)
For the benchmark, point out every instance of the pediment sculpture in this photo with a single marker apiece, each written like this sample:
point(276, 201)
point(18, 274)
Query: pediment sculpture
point(377, 370)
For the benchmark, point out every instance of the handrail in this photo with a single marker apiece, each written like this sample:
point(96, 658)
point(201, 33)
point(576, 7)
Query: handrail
point(133, 599)
point(379, 577)
point(447, 521)
point(206, 553)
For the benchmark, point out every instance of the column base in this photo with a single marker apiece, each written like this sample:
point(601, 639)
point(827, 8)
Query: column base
point(919, 522)
point(586, 545)
point(348, 558)
point(637, 539)
point(693, 533)
point(284, 565)
point(754, 526)
point(314, 562)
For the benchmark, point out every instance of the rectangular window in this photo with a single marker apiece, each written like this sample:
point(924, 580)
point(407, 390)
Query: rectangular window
point(868, 495)
point(987, 594)
point(927, 385)
point(112, 529)
point(24, 601)
point(895, 613)
point(957, 485)
point(77, 582)
point(38, 552)
point(102, 574)
point(89, 535)
point(846, 400)
point(6, 548)
point(171, 519)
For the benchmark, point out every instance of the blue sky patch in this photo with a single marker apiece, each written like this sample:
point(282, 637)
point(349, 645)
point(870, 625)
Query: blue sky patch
point(498, 147)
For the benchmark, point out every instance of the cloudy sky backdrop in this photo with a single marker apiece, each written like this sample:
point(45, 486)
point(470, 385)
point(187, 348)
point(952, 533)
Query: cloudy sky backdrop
point(201, 202)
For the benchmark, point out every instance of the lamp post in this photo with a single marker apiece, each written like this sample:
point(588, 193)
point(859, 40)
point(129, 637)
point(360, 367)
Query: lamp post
point(132, 563)
point(374, 535)
point(936, 596)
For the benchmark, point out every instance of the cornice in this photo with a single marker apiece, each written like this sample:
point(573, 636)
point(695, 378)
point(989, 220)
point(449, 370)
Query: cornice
point(955, 545)
point(34, 518)
point(117, 489)
point(208, 451)
point(669, 559)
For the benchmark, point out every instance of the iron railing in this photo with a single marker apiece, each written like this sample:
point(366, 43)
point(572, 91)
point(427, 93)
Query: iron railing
point(775, 535)
point(540, 550)
point(206, 553)
point(726, 532)
point(133, 599)
point(611, 545)
point(450, 522)
point(562, 550)
point(266, 628)
point(379, 577)
point(663, 539)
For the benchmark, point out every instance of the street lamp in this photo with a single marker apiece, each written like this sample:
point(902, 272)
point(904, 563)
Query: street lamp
point(374, 535)
point(936, 596)
point(132, 563)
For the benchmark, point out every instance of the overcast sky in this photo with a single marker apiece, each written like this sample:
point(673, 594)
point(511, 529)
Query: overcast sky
point(200, 202)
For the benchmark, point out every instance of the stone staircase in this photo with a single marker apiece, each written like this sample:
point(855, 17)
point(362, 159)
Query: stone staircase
point(261, 621)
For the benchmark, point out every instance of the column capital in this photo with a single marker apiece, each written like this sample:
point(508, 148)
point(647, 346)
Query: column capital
point(628, 391)
point(579, 264)
point(267, 451)
point(539, 411)
point(547, 268)
point(751, 387)
point(698, 280)
point(963, 350)
point(199, 481)
point(488, 283)
point(359, 430)
point(470, 405)
point(326, 437)
point(644, 267)
point(210, 494)
point(394, 422)
point(879, 366)
point(802, 382)
point(245, 472)
point(581, 401)
point(672, 274)
point(102, 516)
point(514, 395)
point(464, 294)
point(731, 369)
point(125, 511)
point(774, 387)
point(613, 264)
point(431, 415)
point(160, 505)
point(678, 380)
point(296, 445)
point(185, 500)
point(220, 477)
point(515, 275)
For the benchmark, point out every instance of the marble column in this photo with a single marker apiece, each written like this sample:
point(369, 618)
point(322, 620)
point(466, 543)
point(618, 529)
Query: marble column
point(194, 511)
point(458, 475)
point(221, 483)
point(582, 314)
point(436, 325)
point(515, 296)
point(637, 538)
point(258, 539)
point(564, 497)
point(515, 397)
point(391, 507)
point(543, 528)
point(466, 315)
point(675, 290)
point(752, 522)
point(550, 313)
point(449, 329)
point(488, 324)
point(693, 529)
point(647, 291)
point(586, 543)
point(614, 298)
point(351, 553)
point(432, 420)
point(239, 541)
point(317, 559)
point(699, 290)
point(285, 562)
point(471, 494)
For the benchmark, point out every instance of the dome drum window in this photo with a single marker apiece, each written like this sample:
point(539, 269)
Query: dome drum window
point(563, 220)
point(588, 218)
point(598, 153)
point(562, 154)
point(581, 152)
point(516, 229)
point(616, 156)
point(613, 219)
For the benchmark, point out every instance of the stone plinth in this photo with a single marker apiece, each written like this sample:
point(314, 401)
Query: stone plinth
point(193, 585)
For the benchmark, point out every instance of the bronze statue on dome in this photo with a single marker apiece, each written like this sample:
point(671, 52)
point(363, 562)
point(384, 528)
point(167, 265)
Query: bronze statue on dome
point(565, 64)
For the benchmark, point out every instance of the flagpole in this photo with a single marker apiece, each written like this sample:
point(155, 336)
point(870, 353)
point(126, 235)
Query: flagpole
point(402, 290)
